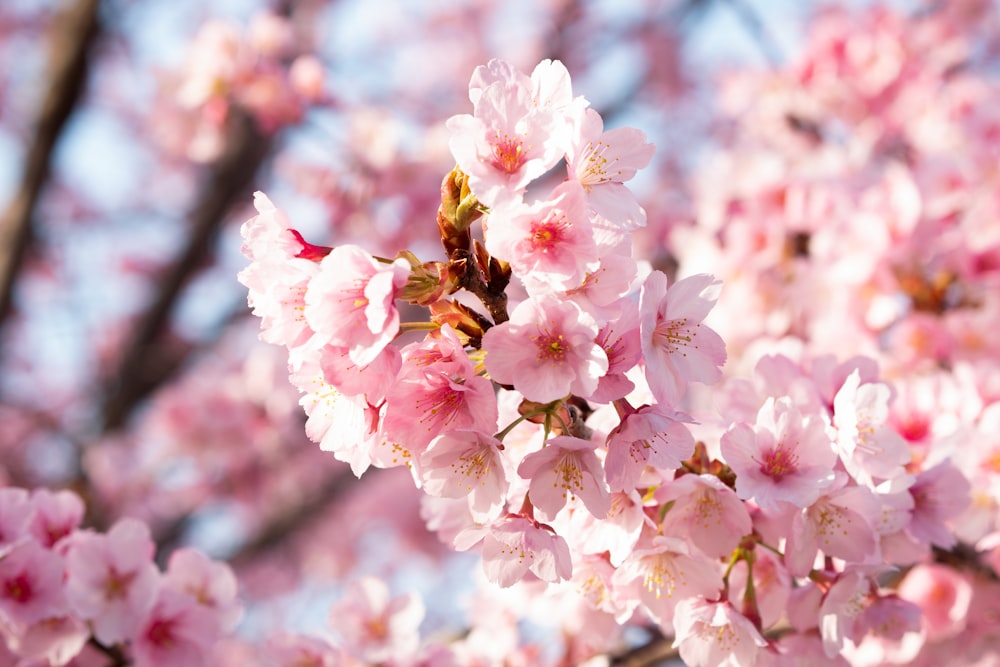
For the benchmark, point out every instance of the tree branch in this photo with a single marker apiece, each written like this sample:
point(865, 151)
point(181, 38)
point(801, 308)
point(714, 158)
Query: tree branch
point(73, 34)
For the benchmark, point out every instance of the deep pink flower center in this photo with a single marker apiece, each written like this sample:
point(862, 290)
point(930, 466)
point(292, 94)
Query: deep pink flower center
point(548, 234)
point(778, 462)
point(508, 153)
point(18, 589)
point(161, 633)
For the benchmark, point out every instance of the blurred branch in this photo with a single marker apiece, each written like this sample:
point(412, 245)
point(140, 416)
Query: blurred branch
point(657, 651)
point(149, 359)
point(73, 33)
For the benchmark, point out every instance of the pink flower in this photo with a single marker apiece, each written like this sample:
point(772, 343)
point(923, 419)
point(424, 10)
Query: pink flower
point(111, 579)
point(713, 634)
point(838, 523)
point(374, 627)
point(436, 391)
point(676, 347)
point(288, 650)
point(939, 493)
point(57, 514)
point(549, 244)
point(870, 449)
point(469, 464)
point(566, 467)
point(278, 274)
point(516, 545)
point(15, 517)
point(546, 350)
point(510, 140)
point(619, 338)
point(650, 436)
point(602, 161)
point(54, 640)
point(707, 512)
point(177, 632)
point(350, 302)
point(943, 595)
point(31, 579)
point(211, 584)
point(785, 458)
point(662, 574)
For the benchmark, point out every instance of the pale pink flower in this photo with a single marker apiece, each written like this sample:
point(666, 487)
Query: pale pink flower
point(16, 513)
point(662, 574)
point(549, 243)
point(651, 436)
point(56, 515)
point(602, 161)
point(566, 467)
point(375, 627)
point(177, 632)
point(350, 302)
point(507, 143)
point(278, 274)
point(772, 585)
point(619, 338)
point(546, 350)
point(347, 426)
point(840, 524)
point(870, 450)
point(31, 584)
point(54, 640)
point(943, 595)
point(210, 583)
point(705, 511)
point(516, 545)
point(939, 493)
point(436, 391)
point(785, 457)
point(287, 650)
point(842, 605)
point(713, 634)
point(111, 579)
point(614, 535)
point(461, 464)
point(676, 346)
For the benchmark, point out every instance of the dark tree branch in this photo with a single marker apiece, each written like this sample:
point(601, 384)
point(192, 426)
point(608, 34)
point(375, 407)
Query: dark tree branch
point(149, 359)
point(73, 34)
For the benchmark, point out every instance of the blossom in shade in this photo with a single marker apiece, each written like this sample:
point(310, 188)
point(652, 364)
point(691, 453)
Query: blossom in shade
point(714, 634)
point(548, 243)
point(515, 545)
point(436, 391)
point(661, 573)
point(840, 524)
point(784, 458)
point(469, 464)
point(650, 436)
point(706, 511)
point(350, 302)
point(56, 515)
point(177, 632)
point(375, 627)
point(31, 579)
point(15, 516)
point(211, 584)
point(939, 493)
point(546, 350)
point(111, 579)
point(676, 346)
point(566, 467)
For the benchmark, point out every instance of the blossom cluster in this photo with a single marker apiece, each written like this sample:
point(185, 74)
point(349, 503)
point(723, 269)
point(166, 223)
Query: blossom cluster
point(66, 591)
point(261, 70)
point(547, 411)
